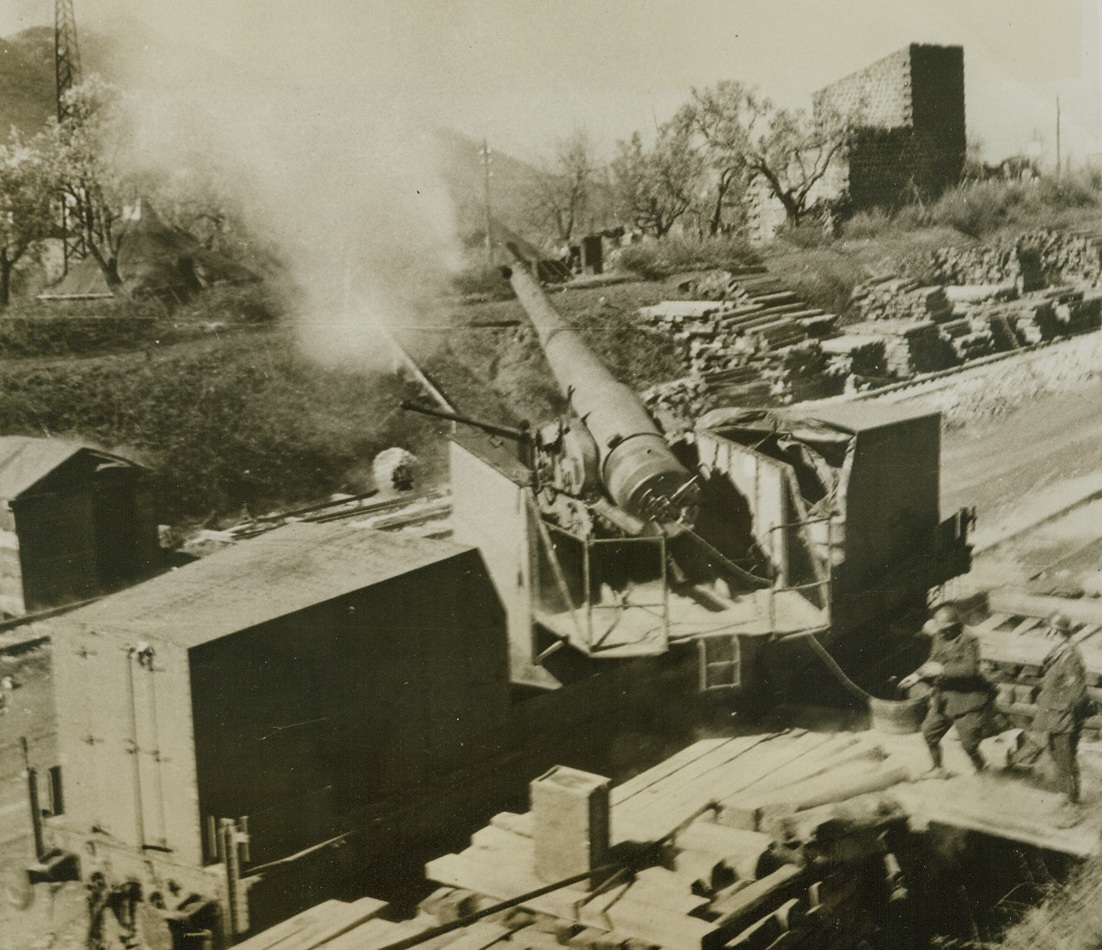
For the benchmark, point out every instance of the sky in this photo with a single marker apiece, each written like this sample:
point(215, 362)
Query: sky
point(523, 74)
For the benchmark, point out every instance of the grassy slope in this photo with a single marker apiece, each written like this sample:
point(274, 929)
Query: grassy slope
point(1070, 919)
point(229, 422)
point(243, 420)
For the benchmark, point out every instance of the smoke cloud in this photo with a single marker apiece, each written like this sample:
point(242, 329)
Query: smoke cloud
point(319, 154)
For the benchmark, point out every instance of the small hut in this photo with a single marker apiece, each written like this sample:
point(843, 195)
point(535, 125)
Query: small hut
point(75, 522)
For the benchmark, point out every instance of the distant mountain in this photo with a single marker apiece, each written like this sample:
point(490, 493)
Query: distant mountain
point(27, 96)
point(26, 81)
point(511, 184)
point(27, 100)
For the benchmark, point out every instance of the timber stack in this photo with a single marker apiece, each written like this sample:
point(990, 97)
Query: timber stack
point(900, 298)
point(910, 346)
point(746, 340)
point(793, 838)
point(732, 842)
point(1028, 261)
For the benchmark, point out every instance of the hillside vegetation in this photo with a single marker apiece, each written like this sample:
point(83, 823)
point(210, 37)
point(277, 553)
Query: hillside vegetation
point(216, 397)
point(232, 423)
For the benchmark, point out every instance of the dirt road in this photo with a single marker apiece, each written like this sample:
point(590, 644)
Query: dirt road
point(1049, 447)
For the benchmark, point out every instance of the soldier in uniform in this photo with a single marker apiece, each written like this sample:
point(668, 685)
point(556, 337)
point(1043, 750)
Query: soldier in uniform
point(960, 695)
point(1062, 705)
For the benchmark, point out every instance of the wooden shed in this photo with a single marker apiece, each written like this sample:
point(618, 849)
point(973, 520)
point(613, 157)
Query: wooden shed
point(75, 522)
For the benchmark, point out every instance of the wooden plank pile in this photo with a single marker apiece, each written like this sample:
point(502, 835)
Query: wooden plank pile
point(677, 403)
point(803, 372)
point(900, 298)
point(910, 346)
point(718, 284)
point(1075, 311)
point(321, 925)
point(1014, 640)
point(856, 354)
point(1014, 261)
point(1028, 261)
point(1034, 318)
point(694, 874)
point(736, 344)
point(768, 840)
point(971, 338)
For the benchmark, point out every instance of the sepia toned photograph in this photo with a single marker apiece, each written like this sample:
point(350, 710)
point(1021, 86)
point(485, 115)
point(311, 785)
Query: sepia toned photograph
point(489, 475)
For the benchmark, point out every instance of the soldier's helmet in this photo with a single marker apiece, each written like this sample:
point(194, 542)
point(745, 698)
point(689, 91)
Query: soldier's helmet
point(1060, 622)
point(946, 619)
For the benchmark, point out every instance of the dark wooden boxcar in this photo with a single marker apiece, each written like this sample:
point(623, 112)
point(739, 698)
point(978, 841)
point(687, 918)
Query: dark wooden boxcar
point(316, 682)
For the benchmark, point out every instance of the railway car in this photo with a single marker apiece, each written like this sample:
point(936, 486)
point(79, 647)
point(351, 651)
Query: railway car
point(253, 732)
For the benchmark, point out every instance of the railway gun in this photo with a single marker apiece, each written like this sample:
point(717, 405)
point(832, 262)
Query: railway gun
point(228, 731)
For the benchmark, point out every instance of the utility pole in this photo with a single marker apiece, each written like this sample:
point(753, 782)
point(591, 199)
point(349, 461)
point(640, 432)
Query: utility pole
point(67, 74)
point(486, 157)
point(1057, 136)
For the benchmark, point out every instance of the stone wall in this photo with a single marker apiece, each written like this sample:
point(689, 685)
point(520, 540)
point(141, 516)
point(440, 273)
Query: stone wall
point(882, 91)
point(913, 139)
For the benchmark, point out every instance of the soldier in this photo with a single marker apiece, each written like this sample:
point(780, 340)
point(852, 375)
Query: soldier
point(1062, 705)
point(960, 696)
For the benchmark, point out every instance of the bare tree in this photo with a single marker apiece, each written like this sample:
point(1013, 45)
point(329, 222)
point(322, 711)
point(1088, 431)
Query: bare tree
point(27, 208)
point(721, 122)
point(793, 151)
point(565, 189)
point(656, 186)
point(743, 136)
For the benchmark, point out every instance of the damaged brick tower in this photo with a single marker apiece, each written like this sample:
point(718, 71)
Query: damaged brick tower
point(912, 143)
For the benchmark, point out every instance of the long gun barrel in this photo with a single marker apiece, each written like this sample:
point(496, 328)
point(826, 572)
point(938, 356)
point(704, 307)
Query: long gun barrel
point(638, 469)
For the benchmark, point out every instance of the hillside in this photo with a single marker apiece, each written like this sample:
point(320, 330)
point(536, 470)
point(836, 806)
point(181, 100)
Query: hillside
point(26, 81)
point(27, 100)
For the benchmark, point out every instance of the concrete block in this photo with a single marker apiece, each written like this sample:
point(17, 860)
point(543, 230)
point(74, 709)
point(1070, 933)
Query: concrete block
point(570, 822)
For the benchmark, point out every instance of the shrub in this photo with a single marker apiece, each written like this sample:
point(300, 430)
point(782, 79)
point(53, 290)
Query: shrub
point(867, 224)
point(658, 259)
point(243, 421)
point(807, 235)
point(979, 209)
point(480, 280)
point(259, 302)
point(48, 334)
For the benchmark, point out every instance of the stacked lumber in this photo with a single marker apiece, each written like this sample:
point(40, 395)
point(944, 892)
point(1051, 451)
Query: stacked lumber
point(1028, 261)
point(911, 346)
point(676, 404)
point(964, 294)
point(856, 354)
point(1014, 640)
point(803, 372)
point(1030, 320)
point(718, 284)
point(735, 317)
point(774, 839)
point(1073, 310)
point(736, 339)
point(326, 923)
point(970, 338)
point(900, 298)
point(1034, 318)
point(712, 883)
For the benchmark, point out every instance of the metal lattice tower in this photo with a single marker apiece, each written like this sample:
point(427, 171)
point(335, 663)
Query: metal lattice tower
point(67, 75)
point(66, 53)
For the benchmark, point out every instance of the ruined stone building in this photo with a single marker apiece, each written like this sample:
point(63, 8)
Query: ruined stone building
point(912, 142)
point(912, 139)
